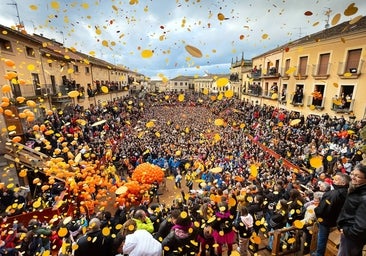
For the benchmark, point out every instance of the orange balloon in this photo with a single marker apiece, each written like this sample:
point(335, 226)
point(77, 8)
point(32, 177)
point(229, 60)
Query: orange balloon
point(6, 88)
point(4, 104)
point(36, 127)
point(16, 139)
point(20, 99)
point(9, 63)
point(8, 112)
point(42, 128)
point(30, 118)
point(22, 115)
point(10, 75)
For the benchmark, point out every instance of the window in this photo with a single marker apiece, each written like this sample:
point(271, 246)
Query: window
point(298, 95)
point(76, 69)
point(302, 69)
point(318, 95)
point(353, 59)
point(323, 64)
point(273, 92)
point(287, 65)
point(15, 86)
point(87, 70)
point(344, 101)
point(36, 84)
point(277, 65)
point(30, 51)
point(283, 93)
point(268, 66)
point(5, 45)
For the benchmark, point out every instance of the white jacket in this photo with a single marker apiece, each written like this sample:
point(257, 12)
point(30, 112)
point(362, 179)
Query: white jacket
point(142, 243)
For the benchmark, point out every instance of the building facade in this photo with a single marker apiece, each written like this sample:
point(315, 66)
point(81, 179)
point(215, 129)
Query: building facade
point(320, 73)
point(39, 73)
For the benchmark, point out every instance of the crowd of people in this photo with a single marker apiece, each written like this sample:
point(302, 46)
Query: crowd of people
point(226, 146)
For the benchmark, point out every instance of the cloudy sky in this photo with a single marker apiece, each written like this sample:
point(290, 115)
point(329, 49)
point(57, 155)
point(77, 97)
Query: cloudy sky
point(152, 37)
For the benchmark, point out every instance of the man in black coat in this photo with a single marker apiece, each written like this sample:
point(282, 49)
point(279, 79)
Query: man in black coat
point(94, 243)
point(352, 219)
point(328, 210)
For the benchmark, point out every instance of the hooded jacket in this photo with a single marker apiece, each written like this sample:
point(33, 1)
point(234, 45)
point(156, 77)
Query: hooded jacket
point(352, 217)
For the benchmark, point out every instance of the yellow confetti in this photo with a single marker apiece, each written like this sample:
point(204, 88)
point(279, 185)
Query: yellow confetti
point(222, 81)
point(31, 67)
point(106, 231)
point(229, 94)
point(336, 18)
point(85, 5)
point(104, 89)
point(264, 36)
point(147, 53)
point(181, 97)
point(62, 232)
point(33, 7)
point(55, 5)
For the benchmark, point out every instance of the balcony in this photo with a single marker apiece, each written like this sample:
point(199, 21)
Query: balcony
point(315, 103)
point(342, 106)
point(272, 73)
point(301, 73)
point(296, 100)
point(348, 71)
point(255, 74)
point(320, 72)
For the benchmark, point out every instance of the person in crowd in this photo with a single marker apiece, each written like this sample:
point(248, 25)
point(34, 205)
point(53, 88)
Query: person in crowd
point(178, 179)
point(142, 221)
point(94, 243)
point(351, 221)
point(167, 224)
point(182, 237)
point(328, 210)
point(189, 177)
point(38, 238)
point(278, 218)
point(223, 232)
point(139, 241)
point(310, 218)
point(245, 230)
point(205, 236)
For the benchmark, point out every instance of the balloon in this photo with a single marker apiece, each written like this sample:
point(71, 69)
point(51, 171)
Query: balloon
point(6, 88)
